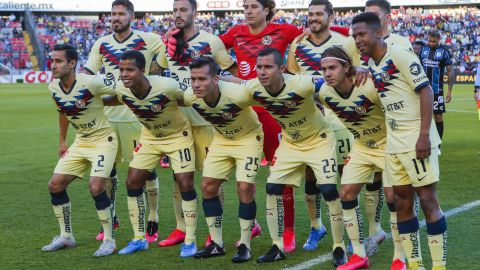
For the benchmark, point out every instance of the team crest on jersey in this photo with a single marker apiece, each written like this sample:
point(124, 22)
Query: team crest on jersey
point(227, 115)
point(290, 104)
point(156, 108)
point(360, 110)
point(393, 124)
point(372, 144)
point(385, 77)
point(267, 40)
point(80, 103)
point(195, 54)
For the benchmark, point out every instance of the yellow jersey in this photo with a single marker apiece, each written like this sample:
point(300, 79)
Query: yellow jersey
point(107, 51)
point(158, 110)
point(83, 105)
point(201, 44)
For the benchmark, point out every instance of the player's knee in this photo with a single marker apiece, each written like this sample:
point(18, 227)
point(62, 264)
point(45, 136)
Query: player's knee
point(347, 194)
point(54, 186)
point(185, 181)
point(245, 192)
point(209, 189)
point(329, 192)
point(96, 187)
point(311, 188)
point(275, 189)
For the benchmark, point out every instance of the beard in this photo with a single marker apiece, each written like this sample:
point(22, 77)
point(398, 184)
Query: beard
point(121, 28)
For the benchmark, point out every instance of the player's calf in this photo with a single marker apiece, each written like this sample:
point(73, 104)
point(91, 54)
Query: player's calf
point(274, 212)
point(331, 196)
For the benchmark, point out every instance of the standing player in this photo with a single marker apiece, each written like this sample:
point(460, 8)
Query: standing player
point(78, 99)
point(165, 132)
point(237, 142)
point(412, 142)
point(247, 41)
point(306, 141)
point(304, 58)
point(435, 59)
point(360, 110)
point(188, 44)
point(107, 52)
point(374, 195)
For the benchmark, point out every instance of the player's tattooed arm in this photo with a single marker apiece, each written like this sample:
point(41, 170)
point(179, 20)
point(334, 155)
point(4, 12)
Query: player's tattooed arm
point(63, 125)
point(111, 100)
point(155, 69)
point(423, 146)
point(448, 98)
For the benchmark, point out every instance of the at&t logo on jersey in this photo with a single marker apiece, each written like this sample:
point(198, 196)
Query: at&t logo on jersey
point(245, 68)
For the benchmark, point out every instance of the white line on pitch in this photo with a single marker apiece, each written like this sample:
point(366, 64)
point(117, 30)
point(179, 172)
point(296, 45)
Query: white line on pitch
point(462, 111)
point(328, 256)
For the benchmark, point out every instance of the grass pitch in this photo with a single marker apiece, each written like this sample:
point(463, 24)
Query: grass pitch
point(29, 132)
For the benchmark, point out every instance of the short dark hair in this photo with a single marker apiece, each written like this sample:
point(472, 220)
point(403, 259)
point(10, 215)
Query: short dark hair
point(70, 51)
point(371, 19)
point(270, 4)
point(202, 61)
point(134, 55)
point(192, 2)
point(419, 42)
point(126, 3)
point(382, 4)
point(339, 52)
point(328, 5)
point(277, 56)
point(434, 33)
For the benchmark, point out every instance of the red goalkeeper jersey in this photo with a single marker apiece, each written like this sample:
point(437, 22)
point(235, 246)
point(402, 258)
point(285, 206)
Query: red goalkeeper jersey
point(248, 45)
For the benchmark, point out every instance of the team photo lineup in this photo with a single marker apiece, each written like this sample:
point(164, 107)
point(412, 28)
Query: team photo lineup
point(352, 116)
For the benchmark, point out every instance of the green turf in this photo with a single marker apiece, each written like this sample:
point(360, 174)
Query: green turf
point(29, 132)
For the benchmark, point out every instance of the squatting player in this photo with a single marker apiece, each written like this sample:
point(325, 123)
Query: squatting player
point(238, 141)
point(185, 45)
point(304, 58)
point(107, 51)
point(306, 141)
point(412, 142)
point(361, 111)
point(153, 99)
point(78, 98)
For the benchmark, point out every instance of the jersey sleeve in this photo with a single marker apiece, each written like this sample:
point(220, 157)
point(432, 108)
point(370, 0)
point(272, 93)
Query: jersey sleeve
point(94, 62)
point(189, 97)
point(292, 64)
point(447, 58)
point(352, 50)
point(162, 60)
point(321, 95)
point(250, 87)
point(155, 43)
point(102, 85)
point(223, 59)
point(308, 84)
point(409, 65)
point(291, 32)
point(228, 38)
point(173, 88)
